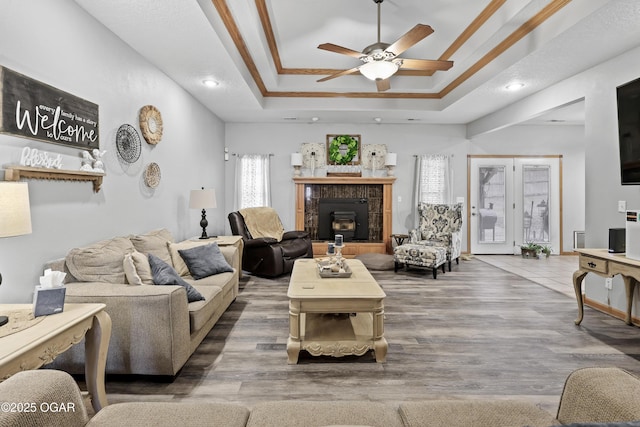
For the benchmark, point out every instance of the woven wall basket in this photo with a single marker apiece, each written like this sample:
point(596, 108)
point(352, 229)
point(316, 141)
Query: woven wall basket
point(151, 124)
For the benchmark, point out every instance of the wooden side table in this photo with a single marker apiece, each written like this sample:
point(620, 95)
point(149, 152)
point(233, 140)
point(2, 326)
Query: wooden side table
point(400, 238)
point(39, 344)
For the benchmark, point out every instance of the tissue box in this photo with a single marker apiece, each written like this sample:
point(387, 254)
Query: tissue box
point(48, 301)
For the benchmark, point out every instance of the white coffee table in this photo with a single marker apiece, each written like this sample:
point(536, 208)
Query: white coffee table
point(335, 316)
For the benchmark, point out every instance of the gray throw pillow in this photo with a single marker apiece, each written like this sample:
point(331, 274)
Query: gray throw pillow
point(206, 260)
point(164, 274)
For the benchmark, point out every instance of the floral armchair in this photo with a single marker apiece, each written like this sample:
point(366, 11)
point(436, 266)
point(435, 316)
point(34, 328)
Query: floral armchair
point(440, 225)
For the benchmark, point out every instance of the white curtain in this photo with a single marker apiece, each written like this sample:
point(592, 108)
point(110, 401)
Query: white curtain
point(253, 184)
point(433, 180)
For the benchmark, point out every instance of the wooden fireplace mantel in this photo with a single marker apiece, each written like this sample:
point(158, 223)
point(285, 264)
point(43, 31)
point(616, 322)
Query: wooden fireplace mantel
point(352, 248)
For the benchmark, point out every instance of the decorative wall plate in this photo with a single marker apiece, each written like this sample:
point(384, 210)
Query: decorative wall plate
point(152, 175)
point(369, 160)
point(151, 124)
point(319, 158)
point(128, 143)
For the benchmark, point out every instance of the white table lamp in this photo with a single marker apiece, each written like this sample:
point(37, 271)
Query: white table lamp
point(296, 162)
point(203, 199)
point(390, 161)
point(15, 214)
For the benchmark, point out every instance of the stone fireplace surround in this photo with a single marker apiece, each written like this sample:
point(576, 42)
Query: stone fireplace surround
point(378, 191)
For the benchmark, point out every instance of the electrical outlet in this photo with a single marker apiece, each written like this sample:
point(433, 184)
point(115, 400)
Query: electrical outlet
point(399, 199)
point(622, 206)
point(608, 283)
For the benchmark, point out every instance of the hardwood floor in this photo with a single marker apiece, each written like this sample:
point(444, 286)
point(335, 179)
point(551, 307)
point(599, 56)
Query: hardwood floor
point(476, 332)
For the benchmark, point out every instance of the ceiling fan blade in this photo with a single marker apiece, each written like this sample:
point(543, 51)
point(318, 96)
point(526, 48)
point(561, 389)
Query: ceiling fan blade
point(339, 49)
point(412, 37)
point(426, 64)
point(383, 85)
point(340, 74)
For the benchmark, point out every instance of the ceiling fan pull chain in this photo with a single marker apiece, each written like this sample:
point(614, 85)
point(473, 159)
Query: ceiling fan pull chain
point(379, 2)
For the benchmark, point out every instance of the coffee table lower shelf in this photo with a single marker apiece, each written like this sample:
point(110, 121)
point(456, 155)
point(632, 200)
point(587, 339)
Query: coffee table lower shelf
point(336, 335)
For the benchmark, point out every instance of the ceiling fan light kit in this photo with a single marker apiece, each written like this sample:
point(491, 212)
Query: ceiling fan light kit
point(381, 61)
point(378, 70)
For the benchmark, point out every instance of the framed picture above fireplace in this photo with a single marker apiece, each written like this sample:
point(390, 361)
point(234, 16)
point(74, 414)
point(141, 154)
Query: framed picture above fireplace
point(343, 149)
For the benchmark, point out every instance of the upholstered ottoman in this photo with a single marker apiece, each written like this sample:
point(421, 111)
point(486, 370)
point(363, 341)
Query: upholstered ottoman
point(420, 256)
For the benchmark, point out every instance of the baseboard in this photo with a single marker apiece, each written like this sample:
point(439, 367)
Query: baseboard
point(607, 309)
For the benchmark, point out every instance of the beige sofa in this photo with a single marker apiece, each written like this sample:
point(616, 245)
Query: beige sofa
point(155, 328)
point(590, 395)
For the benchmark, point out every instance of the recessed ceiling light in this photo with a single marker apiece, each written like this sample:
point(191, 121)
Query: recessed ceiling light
point(377, 119)
point(210, 83)
point(514, 86)
point(314, 119)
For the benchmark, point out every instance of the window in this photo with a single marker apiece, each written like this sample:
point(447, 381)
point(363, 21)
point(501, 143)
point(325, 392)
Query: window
point(252, 181)
point(434, 179)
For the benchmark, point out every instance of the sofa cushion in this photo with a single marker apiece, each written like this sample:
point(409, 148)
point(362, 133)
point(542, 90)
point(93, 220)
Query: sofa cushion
point(154, 242)
point(99, 262)
point(204, 261)
point(618, 424)
point(319, 414)
point(152, 414)
point(201, 311)
point(603, 385)
point(164, 274)
point(477, 413)
point(176, 258)
point(137, 269)
point(130, 271)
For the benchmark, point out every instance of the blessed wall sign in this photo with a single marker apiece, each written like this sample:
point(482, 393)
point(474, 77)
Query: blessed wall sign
point(32, 109)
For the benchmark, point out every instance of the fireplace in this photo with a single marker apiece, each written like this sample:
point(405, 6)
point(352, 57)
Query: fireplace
point(348, 216)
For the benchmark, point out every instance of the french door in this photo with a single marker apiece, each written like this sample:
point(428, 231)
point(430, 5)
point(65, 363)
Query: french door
point(513, 201)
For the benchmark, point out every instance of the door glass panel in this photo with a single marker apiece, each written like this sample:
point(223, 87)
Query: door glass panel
point(536, 182)
point(491, 206)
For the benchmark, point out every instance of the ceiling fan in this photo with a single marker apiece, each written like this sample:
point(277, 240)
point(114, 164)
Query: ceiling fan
point(381, 61)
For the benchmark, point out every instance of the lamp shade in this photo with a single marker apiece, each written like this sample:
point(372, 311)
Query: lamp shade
point(378, 70)
point(391, 159)
point(202, 199)
point(15, 213)
point(296, 159)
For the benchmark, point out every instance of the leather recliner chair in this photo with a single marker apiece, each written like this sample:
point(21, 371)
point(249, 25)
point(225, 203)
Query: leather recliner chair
point(265, 256)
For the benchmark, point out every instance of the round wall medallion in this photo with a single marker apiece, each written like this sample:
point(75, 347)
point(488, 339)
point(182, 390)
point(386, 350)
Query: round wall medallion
point(128, 143)
point(152, 175)
point(151, 124)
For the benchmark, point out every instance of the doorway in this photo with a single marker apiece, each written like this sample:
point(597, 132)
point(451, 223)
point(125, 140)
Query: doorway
point(514, 200)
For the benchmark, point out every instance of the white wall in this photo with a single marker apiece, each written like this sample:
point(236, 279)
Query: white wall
point(407, 140)
point(603, 166)
point(597, 86)
point(567, 141)
point(59, 44)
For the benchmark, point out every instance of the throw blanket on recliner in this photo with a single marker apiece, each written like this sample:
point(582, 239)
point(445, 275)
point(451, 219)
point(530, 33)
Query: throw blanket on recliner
point(263, 222)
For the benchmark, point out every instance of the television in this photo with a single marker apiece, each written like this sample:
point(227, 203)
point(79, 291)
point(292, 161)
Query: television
point(628, 96)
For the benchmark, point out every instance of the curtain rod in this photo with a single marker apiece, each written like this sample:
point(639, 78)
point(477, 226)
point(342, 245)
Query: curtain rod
point(236, 154)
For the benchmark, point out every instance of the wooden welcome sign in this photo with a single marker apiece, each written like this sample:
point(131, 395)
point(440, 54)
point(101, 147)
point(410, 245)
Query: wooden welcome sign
point(32, 109)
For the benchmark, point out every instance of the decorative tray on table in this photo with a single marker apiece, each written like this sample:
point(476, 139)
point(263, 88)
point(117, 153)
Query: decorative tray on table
point(333, 267)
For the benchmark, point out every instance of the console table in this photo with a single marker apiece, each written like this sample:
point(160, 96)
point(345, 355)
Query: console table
point(39, 344)
point(602, 263)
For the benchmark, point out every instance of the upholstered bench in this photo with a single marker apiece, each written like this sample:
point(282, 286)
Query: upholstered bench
point(420, 256)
